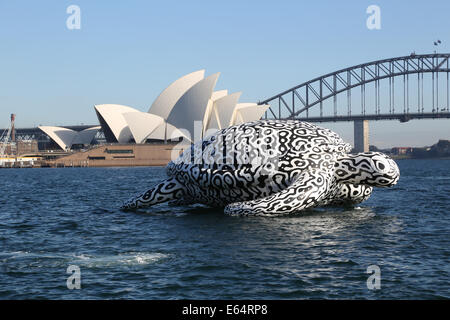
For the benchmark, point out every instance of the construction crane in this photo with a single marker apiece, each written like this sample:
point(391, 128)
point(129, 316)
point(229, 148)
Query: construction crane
point(6, 137)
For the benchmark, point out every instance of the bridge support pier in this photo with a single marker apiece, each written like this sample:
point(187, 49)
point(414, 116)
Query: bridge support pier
point(361, 135)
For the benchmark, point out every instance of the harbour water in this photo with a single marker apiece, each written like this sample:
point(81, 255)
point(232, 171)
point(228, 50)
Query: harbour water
point(51, 219)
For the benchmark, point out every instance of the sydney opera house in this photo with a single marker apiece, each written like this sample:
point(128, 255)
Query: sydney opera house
point(189, 108)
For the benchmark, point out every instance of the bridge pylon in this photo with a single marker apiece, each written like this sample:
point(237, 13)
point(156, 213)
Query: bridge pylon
point(361, 135)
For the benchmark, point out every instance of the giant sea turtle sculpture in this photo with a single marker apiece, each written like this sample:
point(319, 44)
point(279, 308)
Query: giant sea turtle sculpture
point(270, 167)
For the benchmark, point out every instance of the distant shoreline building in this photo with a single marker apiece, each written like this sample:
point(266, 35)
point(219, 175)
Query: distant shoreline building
point(401, 150)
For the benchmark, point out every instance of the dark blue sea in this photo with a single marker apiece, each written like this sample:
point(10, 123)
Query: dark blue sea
point(51, 219)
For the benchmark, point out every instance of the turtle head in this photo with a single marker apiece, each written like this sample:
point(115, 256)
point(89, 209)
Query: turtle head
point(368, 168)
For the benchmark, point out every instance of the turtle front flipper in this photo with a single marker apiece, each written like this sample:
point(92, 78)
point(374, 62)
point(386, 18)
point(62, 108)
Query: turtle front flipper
point(350, 195)
point(167, 190)
point(308, 190)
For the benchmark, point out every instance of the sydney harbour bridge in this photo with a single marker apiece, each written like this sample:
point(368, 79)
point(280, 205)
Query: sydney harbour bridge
point(402, 88)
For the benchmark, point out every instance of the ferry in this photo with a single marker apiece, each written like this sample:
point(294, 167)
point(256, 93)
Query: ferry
point(7, 162)
point(25, 161)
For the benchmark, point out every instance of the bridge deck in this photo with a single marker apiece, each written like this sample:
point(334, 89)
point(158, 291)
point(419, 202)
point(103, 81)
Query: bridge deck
point(400, 117)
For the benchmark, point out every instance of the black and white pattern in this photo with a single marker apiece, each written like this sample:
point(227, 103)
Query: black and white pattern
point(271, 167)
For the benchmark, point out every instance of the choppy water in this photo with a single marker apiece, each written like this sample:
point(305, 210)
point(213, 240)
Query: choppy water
point(53, 218)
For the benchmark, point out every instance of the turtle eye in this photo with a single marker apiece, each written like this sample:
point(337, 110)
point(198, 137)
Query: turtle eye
point(381, 164)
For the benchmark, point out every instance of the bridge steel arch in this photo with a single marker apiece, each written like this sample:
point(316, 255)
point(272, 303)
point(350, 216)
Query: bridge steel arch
point(296, 103)
point(314, 92)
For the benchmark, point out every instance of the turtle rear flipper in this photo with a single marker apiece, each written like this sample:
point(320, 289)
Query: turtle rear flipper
point(167, 190)
point(307, 191)
point(181, 202)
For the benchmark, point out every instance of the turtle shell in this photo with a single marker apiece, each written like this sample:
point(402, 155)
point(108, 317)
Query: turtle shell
point(259, 154)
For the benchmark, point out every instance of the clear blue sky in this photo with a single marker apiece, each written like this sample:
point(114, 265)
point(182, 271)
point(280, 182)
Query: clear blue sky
point(126, 52)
